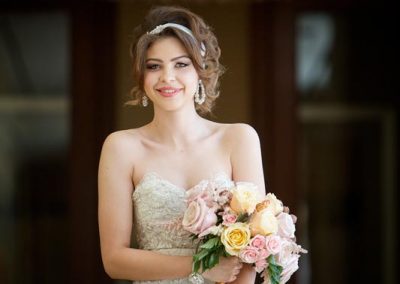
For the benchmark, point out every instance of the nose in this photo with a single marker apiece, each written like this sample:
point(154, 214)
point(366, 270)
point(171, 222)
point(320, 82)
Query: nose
point(167, 75)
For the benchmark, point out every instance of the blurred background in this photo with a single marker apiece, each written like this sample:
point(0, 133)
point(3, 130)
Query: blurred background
point(317, 79)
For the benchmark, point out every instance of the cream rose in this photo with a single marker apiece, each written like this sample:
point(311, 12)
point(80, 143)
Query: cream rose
point(274, 204)
point(235, 238)
point(263, 223)
point(245, 197)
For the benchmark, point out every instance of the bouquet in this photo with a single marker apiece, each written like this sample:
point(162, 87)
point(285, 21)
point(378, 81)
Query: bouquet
point(239, 221)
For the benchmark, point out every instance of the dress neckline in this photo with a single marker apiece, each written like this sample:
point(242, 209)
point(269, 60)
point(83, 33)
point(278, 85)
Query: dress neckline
point(149, 174)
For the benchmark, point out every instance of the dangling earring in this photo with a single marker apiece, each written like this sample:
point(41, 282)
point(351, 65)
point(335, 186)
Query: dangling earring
point(200, 95)
point(145, 101)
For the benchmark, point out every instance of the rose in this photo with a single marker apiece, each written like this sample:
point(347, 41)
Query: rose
point(235, 238)
point(286, 227)
point(213, 230)
point(263, 223)
point(258, 241)
point(288, 247)
point(199, 192)
point(249, 255)
point(273, 244)
point(245, 197)
point(274, 204)
point(261, 264)
point(198, 217)
point(263, 254)
point(292, 264)
point(228, 219)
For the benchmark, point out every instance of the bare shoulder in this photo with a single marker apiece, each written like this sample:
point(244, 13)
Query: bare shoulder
point(122, 144)
point(238, 134)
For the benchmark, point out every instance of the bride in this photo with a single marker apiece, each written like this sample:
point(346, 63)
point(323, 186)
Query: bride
point(144, 173)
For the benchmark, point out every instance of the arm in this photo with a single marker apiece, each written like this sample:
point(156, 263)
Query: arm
point(115, 220)
point(247, 166)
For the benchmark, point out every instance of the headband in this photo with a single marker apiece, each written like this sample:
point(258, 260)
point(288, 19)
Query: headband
point(160, 28)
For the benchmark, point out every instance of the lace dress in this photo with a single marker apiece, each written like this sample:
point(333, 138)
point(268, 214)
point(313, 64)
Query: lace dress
point(159, 206)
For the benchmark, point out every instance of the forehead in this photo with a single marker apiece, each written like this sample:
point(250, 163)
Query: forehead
point(165, 48)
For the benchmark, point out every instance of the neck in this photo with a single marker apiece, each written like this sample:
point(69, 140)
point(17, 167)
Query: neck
point(178, 128)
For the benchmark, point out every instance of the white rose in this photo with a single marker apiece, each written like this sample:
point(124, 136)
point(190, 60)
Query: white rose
point(286, 227)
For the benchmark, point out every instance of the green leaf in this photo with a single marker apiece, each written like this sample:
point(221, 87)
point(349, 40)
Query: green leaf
point(210, 243)
point(243, 218)
point(196, 266)
point(274, 270)
point(200, 255)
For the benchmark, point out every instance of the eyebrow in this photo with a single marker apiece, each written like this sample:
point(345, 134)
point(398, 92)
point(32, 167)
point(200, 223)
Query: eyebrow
point(173, 59)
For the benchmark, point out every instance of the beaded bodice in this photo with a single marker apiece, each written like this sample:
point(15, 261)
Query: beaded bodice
point(159, 206)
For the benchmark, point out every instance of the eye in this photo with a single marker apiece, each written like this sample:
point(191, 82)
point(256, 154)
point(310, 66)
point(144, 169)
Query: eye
point(182, 64)
point(152, 66)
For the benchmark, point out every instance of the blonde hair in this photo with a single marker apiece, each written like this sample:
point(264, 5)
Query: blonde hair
point(208, 67)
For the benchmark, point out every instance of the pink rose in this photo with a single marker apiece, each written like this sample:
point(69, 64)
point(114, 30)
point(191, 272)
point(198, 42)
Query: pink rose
point(198, 217)
point(258, 241)
point(261, 264)
point(263, 253)
point(286, 226)
point(273, 244)
point(228, 218)
point(249, 254)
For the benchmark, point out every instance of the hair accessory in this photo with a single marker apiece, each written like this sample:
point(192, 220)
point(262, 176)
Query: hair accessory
point(200, 95)
point(145, 101)
point(160, 28)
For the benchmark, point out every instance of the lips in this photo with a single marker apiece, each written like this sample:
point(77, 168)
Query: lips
point(168, 91)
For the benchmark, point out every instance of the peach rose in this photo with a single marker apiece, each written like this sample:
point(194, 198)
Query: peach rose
point(263, 223)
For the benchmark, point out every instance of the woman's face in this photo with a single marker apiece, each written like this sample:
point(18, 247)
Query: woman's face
point(170, 79)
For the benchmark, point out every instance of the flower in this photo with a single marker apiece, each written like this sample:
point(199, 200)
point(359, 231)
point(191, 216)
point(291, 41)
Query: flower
point(198, 217)
point(235, 238)
point(245, 197)
point(214, 230)
point(228, 219)
point(273, 244)
point(286, 227)
point(263, 223)
point(249, 255)
point(261, 264)
point(274, 204)
point(258, 241)
point(292, 264)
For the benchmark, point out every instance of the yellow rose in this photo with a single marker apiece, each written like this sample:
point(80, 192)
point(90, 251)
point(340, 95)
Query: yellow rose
point(263, 223)
point(235, 237)
point(245, 197)
point(274, 204)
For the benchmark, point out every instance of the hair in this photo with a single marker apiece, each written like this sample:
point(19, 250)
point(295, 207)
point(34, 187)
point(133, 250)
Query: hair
point(208, 67)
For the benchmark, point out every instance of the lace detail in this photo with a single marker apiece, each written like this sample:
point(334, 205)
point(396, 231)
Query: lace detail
point(159, 206)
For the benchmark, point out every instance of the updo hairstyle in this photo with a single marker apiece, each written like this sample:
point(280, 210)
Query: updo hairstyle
point(208, 67)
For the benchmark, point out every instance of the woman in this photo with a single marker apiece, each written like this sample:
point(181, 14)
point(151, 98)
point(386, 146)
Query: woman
point(149, 170)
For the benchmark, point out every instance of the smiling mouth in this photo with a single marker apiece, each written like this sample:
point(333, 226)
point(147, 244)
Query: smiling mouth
point(168, 92)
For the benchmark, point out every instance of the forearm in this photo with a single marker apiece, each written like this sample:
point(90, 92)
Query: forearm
point(134, 264)
point(247, 275)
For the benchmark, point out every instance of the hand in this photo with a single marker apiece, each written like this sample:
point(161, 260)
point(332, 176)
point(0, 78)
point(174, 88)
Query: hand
point(225, 271)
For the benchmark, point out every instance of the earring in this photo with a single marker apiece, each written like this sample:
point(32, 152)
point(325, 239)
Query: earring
point(145, 101)
point(200, 95)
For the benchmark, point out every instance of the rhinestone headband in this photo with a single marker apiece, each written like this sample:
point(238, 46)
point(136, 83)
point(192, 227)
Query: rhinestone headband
point(160, 28)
